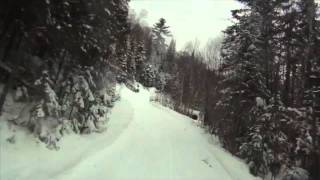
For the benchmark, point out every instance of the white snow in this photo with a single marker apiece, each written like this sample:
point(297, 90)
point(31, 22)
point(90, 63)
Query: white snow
point(144, 141)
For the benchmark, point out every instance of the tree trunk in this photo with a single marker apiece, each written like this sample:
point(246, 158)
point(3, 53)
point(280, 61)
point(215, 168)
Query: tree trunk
point(293, 88)
point(9, 77)
point(206, 105)
point(310, 19)
point(286, 91)
point(5, 91)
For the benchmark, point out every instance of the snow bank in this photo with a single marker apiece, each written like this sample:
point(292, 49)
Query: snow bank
point(28, 158)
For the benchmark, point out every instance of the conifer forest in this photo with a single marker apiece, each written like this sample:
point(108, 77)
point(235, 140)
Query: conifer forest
point(92, 86)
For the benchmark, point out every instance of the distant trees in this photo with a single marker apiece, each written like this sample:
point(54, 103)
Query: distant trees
point(150, 52)
point(188, 80)
point(141, 40)
point(168, 60)
point(159, 33)
point(212, 53)
point(160, 30)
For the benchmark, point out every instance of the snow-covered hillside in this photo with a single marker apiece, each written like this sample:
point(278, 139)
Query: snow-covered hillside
point(144, 141)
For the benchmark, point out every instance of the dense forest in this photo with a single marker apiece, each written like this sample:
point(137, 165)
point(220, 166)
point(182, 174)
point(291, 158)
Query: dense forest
point(257, 88)
point(56, 56)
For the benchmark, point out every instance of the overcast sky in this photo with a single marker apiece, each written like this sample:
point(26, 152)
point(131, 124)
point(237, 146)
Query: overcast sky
point(189, 19)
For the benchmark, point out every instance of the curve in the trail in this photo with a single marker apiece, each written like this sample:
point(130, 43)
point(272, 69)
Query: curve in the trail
point(158, 144)
point(144, 141)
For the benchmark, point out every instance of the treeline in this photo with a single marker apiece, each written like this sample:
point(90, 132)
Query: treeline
point(261, 94)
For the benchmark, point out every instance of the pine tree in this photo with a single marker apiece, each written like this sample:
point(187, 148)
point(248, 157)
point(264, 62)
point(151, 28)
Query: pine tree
point(148, 76)
point(159, 31)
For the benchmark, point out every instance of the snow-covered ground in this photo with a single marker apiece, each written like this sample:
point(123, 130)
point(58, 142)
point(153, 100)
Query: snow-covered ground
point(144, 141)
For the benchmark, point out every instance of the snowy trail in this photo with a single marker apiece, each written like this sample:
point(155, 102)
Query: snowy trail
point(144, 142)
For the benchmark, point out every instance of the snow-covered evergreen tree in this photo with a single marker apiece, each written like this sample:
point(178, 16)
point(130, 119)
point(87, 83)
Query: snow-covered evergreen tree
point(148, 76)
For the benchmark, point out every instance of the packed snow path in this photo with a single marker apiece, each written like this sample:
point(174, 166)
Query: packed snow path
point(144, 141)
